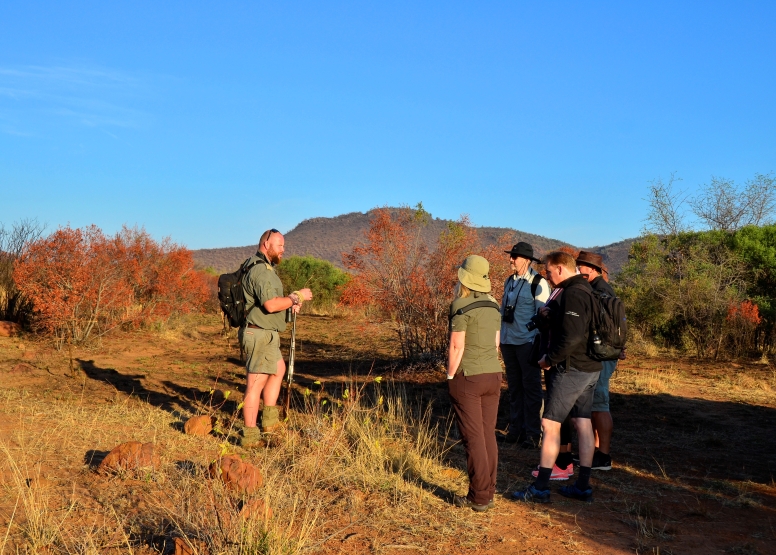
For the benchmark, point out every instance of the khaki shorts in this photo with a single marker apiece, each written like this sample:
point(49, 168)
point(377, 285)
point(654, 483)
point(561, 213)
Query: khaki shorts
point(262, 350)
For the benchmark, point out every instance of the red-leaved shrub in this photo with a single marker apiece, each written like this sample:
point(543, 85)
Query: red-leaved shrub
point(395, 271)
point(81, 282)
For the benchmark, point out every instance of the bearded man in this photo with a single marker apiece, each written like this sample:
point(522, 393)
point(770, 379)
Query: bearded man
point(260, 337)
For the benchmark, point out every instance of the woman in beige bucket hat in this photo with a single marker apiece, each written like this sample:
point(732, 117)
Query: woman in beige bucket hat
point(474, 378)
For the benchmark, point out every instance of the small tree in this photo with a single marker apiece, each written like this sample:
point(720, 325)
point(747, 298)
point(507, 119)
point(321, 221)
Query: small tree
point(666, 213)
point(393, 270)
point(14, 242)
point(723, 206)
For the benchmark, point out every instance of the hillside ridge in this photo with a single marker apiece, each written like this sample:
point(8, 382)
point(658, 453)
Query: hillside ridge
point(329, 238)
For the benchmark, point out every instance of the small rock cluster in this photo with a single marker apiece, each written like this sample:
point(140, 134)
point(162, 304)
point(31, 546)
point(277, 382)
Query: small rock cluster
point(238, 476)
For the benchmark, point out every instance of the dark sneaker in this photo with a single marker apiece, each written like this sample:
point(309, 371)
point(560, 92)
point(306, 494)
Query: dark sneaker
point(575, 458)
point(507, 438)
point(463, 501)
point(532, 495)
point(573, 492)
point(530, 443)
point(601, 461)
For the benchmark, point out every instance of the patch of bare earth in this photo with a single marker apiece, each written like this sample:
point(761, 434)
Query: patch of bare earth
point(694, 454)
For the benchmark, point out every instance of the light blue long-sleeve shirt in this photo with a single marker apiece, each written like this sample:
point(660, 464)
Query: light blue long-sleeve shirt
point(525, 306)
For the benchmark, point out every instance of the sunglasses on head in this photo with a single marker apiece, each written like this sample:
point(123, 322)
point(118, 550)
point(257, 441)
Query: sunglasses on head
point(269, 233)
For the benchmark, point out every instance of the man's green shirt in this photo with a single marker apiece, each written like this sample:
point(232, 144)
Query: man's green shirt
point(481, 325)
point(260, 285)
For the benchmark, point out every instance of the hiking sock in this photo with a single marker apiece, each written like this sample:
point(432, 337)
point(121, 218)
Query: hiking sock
point(270, 417)
point(583, 480)
point(543, 479)
point(563, 460)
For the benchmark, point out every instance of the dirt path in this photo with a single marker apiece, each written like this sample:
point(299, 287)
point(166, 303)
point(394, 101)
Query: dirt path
point(694, 449)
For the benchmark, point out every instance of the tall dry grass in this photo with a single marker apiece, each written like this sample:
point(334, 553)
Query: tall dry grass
point(341, 456)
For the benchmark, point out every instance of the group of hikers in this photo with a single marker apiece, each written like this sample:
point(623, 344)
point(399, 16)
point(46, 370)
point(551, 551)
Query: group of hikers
point(543, 323)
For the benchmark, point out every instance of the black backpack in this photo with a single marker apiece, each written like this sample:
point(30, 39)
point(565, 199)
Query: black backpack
point(231, 296)
point(608, 327)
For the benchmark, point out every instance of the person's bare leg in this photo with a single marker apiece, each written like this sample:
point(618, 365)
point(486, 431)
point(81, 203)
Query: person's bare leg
point(603, 426)
point(586, 437)
point(253, 390)
point(550, 443)
point(274, 383)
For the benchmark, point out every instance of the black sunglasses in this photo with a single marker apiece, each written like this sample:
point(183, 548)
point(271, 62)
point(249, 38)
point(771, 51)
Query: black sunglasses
point(269, 234)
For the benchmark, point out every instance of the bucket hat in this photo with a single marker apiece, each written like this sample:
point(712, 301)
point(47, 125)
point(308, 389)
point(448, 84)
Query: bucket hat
point(590, 259)
point(523, 250)
point(473, 273)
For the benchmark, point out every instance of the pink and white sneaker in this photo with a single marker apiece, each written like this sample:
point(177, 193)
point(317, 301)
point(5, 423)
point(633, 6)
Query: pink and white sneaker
point(558, 474)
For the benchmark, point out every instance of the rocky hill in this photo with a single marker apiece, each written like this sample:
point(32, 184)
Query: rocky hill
point(328, 238)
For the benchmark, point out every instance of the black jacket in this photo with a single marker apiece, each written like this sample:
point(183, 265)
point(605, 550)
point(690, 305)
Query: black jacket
point(570, 316)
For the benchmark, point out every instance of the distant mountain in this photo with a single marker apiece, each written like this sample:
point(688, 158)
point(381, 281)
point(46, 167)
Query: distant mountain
point(328, 238)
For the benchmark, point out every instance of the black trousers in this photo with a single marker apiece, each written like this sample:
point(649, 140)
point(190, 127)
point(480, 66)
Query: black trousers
point(475, 402)
point(525, 391)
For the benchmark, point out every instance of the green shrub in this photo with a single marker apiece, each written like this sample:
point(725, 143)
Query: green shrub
point(321, 276)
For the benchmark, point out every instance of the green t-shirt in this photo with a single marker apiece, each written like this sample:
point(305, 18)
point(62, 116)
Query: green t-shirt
point(260, 285)
point(480, 355)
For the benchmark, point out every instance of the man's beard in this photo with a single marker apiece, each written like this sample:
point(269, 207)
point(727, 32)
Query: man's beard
point(273, 256)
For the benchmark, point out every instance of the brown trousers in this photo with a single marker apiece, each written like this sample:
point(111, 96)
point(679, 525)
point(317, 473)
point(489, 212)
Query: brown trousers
point(475, 401)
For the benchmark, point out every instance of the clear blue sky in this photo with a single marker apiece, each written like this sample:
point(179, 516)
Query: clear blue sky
point(211, 121)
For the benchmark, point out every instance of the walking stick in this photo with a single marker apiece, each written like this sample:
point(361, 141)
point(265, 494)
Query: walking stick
point(290, 372)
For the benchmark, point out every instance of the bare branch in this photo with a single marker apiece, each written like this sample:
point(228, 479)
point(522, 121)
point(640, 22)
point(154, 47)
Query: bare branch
point(666, 216)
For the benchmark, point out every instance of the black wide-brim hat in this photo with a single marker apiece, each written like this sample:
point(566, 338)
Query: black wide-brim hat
point(523, 250)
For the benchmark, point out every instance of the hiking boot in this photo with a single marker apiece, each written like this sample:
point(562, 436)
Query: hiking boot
point(573, 492)
point(557, 472)
point(463, 501)
point(270, 420)
point(532, 495)
point(601, 461)
point(250, 437)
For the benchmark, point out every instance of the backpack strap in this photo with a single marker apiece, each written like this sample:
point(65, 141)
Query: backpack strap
point(245, 268)
point(537, 279)
point(475, 304)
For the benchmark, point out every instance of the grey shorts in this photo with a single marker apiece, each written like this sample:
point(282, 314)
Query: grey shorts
point(601, 393)
point(262, 350)
point(571, 395)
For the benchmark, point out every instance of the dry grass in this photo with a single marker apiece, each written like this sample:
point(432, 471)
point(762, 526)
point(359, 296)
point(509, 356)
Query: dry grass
point(651, 382)
point(339, 452)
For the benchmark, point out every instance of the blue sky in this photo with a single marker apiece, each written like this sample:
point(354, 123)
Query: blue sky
point(210, 122)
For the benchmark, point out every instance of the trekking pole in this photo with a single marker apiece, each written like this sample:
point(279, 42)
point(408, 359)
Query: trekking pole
point(290, 372)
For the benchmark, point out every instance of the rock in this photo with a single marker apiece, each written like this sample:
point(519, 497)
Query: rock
point(199, 425)
point(22, 369)
point(184, 547)
point(256, 508)
point(130, 456)
point(9, 329)
point(237, 475)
